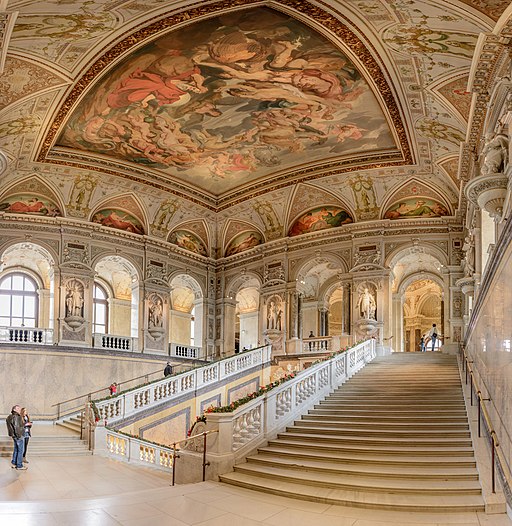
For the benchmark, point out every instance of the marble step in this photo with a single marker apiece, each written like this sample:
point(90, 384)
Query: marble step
point(428, 423)
point(428, 472)
point(419, 413)
point(361, 499)
point(410, 431)
point(322, 436)
point(289, 450)
point(326, 479)
point(305, 442)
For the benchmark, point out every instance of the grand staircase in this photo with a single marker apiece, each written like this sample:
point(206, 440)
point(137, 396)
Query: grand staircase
point(395, 436)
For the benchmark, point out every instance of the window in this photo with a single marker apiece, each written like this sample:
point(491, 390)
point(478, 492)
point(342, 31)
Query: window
point(100, 310)
point(18, 301)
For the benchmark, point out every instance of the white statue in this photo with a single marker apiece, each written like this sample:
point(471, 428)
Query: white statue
point(494, 154)
point(155, 313)
point(367, 305)
point(74, 299)
point(274, 316)
point(469, 259)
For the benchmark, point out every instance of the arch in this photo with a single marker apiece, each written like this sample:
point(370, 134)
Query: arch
point(133, 218)
point(399, 252)
point(110, 253)
point(414, 189)
point(186, 279)
point(49, 251)
point(307, 263)
point(416, 276)
point(33, 185)
point(238, 282)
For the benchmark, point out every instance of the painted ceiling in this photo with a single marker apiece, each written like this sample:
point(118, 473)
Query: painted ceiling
point(237, 114)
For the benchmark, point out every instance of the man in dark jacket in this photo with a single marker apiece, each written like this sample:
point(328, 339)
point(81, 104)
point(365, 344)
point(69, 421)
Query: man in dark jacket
point(16, 430)
point(168, 370)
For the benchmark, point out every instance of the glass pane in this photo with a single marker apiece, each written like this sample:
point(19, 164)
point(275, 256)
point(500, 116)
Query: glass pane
point(29, 322)
point(17, 282)
point(100, 313)
point(6, 283)
point(30, 307)
point(17, 305)
point(29, 285)
point(5, 322)
point(99, 293)
point(99, 329)
point(16, 322)
point(5, 306)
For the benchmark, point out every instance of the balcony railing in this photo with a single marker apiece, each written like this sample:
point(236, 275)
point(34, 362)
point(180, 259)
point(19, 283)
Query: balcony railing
point(26, 335)
point(172, 387)
point(114, 342)
point(322, 344)
point(177, 350)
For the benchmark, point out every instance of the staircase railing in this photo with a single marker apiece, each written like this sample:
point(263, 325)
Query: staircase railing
point(136, 400)
point(496, 450)
point(76, 404)
point(251, 424)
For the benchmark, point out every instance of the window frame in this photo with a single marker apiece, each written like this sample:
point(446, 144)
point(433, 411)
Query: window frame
point(95, 302)
point(10, 293)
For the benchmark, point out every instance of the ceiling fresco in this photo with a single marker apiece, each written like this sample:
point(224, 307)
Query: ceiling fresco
point(158, 117)
point(258, 92)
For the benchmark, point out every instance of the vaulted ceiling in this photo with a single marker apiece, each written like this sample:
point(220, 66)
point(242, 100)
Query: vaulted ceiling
point(215, 119)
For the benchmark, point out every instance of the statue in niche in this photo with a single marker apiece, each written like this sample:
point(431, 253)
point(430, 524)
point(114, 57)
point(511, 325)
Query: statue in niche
point(367, 305)
point(469, 259)
point(74, 299)
point(156, 312)
point(494, 154)
point(274, 316)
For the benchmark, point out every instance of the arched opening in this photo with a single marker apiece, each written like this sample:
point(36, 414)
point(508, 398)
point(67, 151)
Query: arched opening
point(336, 326)
point(423, 306)
point(247, 317)
point(99, 309)
point(18, 301)
point(186, 316)
point(27, 281)
point(120, 314)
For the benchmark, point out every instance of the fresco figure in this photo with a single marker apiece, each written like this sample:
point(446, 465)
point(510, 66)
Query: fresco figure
point(320, 219)
point(119, 220)
point(188, 241)
point(243, 242)
point(416, 208)
point(21, 204)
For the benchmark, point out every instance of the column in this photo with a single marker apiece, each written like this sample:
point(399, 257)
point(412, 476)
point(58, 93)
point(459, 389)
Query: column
point(347, 307)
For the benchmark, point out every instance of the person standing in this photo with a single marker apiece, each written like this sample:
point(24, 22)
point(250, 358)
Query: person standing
point(433, 336)
point(16, 430)
point(27, 424)
point(422, 344)
point(168, 369)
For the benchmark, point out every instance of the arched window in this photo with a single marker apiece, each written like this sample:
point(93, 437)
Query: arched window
point(100, 309)
point(18, 301)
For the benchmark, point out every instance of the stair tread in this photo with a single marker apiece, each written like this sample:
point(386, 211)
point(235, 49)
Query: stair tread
point(358, 498)
point(360, 482)
point(321, 463)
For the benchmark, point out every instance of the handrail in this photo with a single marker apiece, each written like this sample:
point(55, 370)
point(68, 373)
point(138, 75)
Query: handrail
point(88, 395)
point(175, 456)
point(482, 410)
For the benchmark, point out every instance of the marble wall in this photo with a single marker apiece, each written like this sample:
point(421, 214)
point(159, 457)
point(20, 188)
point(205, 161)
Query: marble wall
point(37, 381)
point(489, 342)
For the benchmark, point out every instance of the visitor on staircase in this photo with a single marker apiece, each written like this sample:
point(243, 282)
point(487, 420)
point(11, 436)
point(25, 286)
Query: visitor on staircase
point(16, 431)
point(27, 424)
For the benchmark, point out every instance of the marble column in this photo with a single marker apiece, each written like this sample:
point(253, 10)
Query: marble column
point(346, 309)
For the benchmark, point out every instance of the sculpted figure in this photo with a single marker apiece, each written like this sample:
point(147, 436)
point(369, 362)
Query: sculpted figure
point(494, 154)
point(367, 305)
point(469, 259)
point(155, 313)
point(74, 299)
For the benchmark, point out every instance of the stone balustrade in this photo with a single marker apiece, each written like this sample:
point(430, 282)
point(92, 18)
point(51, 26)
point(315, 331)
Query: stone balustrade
point(128, 404)
point(252, 424)
point(322, 344)
point(114, 342)
point(177, 350)
point(26, 335)
point(134, 450)
point(249, 426)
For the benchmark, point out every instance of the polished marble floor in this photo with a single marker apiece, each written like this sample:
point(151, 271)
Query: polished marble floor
point(93, 491)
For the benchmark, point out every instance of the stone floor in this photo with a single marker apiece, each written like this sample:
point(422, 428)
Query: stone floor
point(94, 491)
